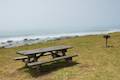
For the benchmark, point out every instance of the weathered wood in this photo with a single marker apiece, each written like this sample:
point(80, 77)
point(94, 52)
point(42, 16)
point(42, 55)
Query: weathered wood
point(69, 60)
point(64, 51)
point(27, 59)
point(57, 52)
point(44, 50)
point(107, 36)
point(55, 59)
point(21, 58)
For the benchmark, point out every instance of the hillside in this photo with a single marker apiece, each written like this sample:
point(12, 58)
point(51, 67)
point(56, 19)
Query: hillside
point(95, 62)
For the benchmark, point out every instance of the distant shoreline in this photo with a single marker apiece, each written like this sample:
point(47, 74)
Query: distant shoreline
point(20, 38)
point(20, 41)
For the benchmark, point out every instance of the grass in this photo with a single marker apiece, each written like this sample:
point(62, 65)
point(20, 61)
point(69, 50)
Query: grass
point(95, 62)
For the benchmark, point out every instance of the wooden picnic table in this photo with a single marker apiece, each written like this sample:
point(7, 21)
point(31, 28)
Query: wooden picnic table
point(30, 57)
point(33, 55)
point(44, 50)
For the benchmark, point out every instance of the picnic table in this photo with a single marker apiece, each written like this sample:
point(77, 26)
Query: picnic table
point(30, 57)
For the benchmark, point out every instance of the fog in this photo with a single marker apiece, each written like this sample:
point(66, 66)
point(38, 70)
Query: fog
point(24, 17)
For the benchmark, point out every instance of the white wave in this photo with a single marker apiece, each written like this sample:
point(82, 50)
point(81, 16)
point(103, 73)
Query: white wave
point(19, 41)
point(52, 36)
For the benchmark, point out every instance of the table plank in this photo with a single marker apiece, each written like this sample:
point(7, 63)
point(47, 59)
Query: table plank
point(43, 50)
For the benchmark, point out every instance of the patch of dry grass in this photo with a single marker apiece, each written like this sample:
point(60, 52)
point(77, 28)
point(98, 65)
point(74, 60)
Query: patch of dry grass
point(95, 61)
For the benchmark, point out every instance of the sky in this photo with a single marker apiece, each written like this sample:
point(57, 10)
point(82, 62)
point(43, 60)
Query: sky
point(52, 16)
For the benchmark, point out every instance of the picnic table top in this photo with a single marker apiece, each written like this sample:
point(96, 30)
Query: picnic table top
point(43, 50)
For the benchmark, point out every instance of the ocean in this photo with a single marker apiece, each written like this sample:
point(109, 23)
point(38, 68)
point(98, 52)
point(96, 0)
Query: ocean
point(57, 33)
point(22, 39)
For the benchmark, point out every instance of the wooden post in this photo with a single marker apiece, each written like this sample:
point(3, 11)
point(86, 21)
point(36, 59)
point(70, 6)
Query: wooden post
point(106, 39)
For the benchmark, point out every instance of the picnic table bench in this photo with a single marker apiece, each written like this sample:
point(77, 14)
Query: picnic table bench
point(30, 57)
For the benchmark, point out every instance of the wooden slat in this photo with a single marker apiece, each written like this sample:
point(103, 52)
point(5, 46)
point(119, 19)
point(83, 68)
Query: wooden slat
point(55, 59)
point(42, 50)
point(20, 58)
point(25, 57)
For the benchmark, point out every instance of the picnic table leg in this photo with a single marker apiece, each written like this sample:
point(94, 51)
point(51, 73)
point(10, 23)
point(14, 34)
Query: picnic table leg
point(27, 61)
point(39, 56)
point(55, 54)
point(64, 52)
point(29, 57)
point(69, 60)
point(35, 58)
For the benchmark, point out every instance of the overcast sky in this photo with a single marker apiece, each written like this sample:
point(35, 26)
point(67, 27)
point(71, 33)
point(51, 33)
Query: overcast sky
point(56, 15)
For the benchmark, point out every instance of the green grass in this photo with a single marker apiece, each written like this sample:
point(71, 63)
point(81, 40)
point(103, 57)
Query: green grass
point(95, 61)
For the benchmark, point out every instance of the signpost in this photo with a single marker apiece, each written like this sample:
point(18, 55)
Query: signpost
point(107, 36)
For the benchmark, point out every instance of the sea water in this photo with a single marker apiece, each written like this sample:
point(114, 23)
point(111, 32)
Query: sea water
point(14, 40)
